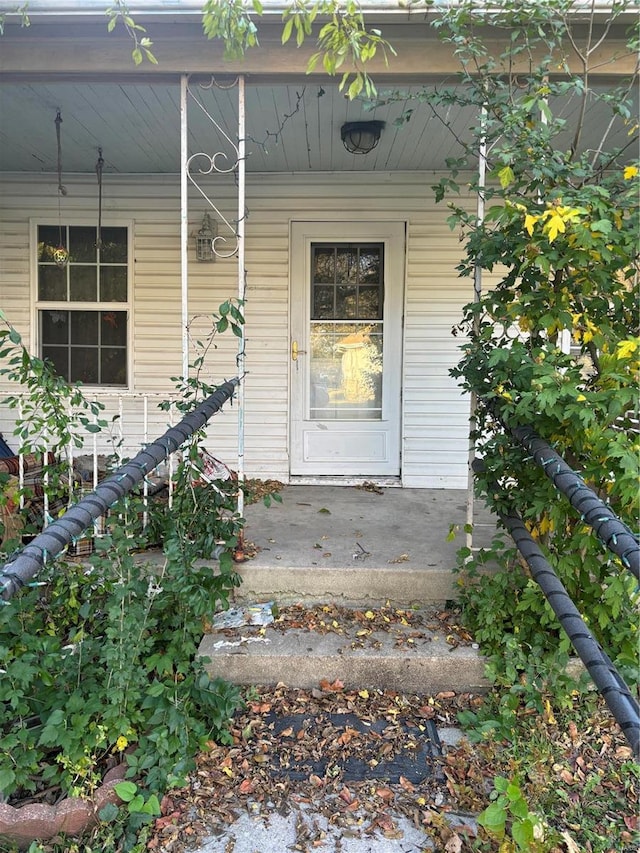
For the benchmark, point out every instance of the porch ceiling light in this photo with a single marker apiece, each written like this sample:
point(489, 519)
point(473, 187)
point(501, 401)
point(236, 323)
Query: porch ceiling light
point(204, 240)
point(361, 137)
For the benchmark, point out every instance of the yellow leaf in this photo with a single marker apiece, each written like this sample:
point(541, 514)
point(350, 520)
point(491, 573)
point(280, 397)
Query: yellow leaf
point(529, 222)
point(548, 713)
point(626, 349)
point(363, 694)
point(554, 226)
point(370, 614)
point(228, 771)
point(505, 176)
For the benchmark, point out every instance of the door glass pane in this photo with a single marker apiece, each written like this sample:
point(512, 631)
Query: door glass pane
point(346, 302)
point(370, 303)
point(346, 371)
point(323, 302)
point(369, 264)
point(324, 266)
point(345, 350)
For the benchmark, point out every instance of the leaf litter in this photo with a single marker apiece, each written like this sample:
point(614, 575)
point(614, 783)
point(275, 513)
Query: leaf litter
point(329, 752)
point(323, 729)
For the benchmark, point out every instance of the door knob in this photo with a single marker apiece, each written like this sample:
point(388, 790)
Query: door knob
point(295, 352)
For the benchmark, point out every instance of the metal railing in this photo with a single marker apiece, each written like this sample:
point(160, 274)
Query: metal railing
point(614, 534)
point(51, 542)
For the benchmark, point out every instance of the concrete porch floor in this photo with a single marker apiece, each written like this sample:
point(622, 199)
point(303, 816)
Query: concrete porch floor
point(349, 544)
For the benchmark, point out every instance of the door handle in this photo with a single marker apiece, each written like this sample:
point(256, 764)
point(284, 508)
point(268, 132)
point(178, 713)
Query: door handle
point(295, 352)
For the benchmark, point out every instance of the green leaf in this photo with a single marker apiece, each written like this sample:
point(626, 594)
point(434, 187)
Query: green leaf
point(108, 813)
point(493, 818)
point(522, 833)
point(7, 779)
point(126, 791)
point(287, 30)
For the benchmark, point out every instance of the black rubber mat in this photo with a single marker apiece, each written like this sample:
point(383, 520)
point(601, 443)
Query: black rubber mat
point(355, 749)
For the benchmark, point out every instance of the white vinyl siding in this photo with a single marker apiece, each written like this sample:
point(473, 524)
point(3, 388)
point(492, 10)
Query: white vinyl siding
point(434, 413)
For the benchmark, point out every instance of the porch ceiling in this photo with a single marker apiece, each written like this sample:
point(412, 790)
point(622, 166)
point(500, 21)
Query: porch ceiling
point(292, 127)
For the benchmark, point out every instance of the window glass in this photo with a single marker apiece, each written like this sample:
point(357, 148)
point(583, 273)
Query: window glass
point(84, 344)
point(52, 283)
point(113, 284)
point(345, 363)
point(55, 327)
point(83, 283)
point(113, 249)
point(82, 245)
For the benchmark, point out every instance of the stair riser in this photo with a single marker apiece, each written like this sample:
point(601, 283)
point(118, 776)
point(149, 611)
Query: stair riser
point(422, 676)
point(361, 586)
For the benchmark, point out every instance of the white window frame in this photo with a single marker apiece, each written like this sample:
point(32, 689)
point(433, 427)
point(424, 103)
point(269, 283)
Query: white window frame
point(37, 306)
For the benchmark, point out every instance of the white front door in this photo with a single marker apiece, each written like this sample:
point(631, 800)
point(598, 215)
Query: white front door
point(347, 283)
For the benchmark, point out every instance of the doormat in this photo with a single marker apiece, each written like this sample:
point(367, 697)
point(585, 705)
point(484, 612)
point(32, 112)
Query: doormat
point(355, 749)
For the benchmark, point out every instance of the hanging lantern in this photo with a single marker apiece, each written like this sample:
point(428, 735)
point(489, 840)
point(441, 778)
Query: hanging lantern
point(60, 257)
point(204, 240)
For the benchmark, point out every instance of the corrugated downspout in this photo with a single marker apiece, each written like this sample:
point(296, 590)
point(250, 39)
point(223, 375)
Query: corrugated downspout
point(49, 544)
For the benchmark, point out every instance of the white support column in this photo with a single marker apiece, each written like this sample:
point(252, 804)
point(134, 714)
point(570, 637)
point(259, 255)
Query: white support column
point(477, 295)
point(184, 223)
point(242, 273)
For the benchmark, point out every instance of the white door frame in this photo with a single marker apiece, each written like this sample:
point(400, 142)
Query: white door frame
point(304, 433)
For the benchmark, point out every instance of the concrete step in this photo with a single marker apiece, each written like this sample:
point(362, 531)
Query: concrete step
point(354, 546)
point(389, 648)
point(400, 584)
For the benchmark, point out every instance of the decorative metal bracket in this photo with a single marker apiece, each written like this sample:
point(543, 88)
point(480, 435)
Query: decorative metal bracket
point(221, 163)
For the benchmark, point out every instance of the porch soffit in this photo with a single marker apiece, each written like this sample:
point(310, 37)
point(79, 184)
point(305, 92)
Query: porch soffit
point(293, 127)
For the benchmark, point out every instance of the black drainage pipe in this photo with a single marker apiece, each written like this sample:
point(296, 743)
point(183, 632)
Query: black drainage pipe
point(49, 544)
point(612, 532)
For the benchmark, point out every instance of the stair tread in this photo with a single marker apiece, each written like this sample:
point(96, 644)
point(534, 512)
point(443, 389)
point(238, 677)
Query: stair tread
point(387, 647)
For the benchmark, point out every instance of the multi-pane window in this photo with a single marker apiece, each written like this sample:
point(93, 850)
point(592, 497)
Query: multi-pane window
point(347, 282)
point(82, 305)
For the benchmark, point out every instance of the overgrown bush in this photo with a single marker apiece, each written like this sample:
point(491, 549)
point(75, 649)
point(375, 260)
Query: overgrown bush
point(559, 240)
point(100, 660)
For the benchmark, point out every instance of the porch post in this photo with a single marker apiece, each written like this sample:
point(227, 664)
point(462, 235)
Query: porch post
point(477, 295)
point(184, 223)
point(242, 273)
